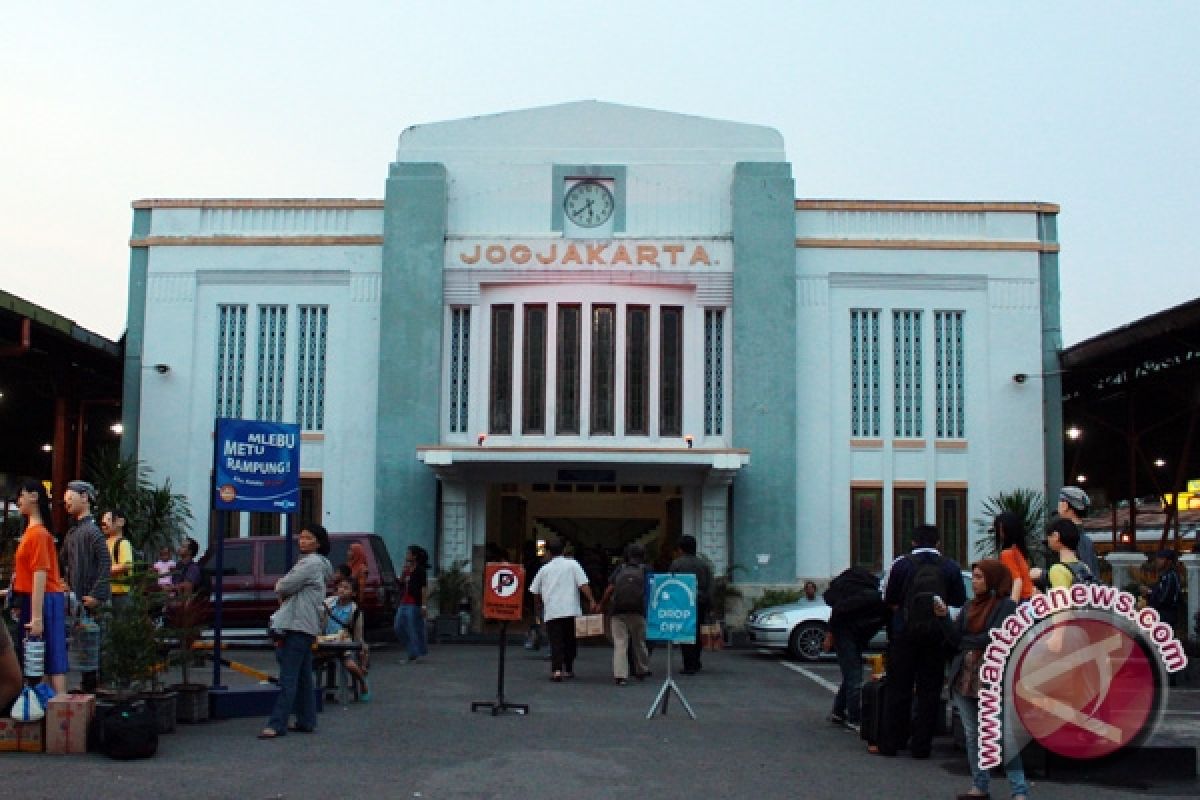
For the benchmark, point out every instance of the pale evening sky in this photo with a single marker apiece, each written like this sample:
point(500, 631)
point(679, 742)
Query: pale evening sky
point(1092, 106)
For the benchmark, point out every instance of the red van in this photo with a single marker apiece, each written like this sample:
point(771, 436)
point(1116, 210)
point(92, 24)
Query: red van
point(253, 564)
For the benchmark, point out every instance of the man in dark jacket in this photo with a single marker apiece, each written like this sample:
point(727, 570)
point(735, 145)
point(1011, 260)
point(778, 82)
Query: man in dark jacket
point(1164, 596)
point(916, 649)
point(857, 612)
point(688, 562)
point(85, 559)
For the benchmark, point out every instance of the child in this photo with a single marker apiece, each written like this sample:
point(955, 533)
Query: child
point(164, 567)
point(344, 622)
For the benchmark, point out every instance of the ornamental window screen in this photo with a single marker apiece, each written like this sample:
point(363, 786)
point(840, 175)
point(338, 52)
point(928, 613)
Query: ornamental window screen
point(864, 372)
point(272, 343)
point(533, 370)
point(311, 343)
point(906, 375)
point(714, 372)
point(460, 355)
point(670, 373)
point(950, 376)
point(500, 394)
point(637, 370)
point(567, 358)
point(231, 360)
point(866, 528)
point(603, 368)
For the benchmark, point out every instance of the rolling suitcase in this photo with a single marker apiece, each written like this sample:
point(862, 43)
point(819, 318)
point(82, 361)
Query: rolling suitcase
point(873, 692)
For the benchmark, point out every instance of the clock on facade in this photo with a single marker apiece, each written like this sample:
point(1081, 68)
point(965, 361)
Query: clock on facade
point(589, 204)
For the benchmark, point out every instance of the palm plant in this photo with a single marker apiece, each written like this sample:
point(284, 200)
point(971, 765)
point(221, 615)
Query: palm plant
point(157, 515)
point(1029, 505)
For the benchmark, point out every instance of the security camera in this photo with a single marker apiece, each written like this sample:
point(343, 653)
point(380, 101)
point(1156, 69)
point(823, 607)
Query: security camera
point(1020, 377)
point(162, 369)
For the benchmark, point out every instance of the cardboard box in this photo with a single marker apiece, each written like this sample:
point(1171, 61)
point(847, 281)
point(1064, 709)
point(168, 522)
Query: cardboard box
point(589, 625)
point(9, 739)
point(31, 736)
point(67, 720)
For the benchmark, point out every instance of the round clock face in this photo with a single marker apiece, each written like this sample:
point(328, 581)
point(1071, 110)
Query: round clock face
point(588, 204)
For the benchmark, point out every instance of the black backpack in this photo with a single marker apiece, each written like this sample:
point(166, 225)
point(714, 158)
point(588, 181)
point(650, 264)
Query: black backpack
point(629, 590)
point(127, 730)
point(925, 583)
point(1080, 572)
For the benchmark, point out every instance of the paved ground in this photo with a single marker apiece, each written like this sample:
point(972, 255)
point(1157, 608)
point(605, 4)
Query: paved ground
point(760, 733)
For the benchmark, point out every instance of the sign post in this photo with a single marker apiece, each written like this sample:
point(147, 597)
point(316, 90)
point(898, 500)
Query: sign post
point(670, 618)
point(256, 467)
point(503, 588)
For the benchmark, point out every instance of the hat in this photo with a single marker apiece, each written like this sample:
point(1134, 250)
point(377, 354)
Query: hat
point(1075, 497)
point(1167, 553)
point(84, 488)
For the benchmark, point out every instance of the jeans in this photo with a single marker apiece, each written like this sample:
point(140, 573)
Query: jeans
point(410, 630)
point(968, 712)
point(848, 700)
point(629, 634)
point(295, 683)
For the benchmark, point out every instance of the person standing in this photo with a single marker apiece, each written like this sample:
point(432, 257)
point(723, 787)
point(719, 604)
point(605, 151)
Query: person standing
point(85, 560)
point(687, 562)
point(296, 625)
point(1164, 596)
point(916, 643)
point(37, 586)
point(1073, 504)
point(557, 586)
point(1014, 553)
point(1063, 538)
point(627, 590)
point(414, 595)
point(120, 555)
point(856, 614)
point(356, 560)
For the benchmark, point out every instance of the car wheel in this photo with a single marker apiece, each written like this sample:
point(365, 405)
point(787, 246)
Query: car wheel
point(806, 640)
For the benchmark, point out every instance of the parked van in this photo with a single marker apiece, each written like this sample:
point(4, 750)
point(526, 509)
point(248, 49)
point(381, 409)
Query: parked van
point(252, 566)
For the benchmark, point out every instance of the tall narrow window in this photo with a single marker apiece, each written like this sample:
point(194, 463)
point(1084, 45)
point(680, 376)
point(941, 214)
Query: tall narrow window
point(908, 509)
point(714, 371)
point(866, 528)
point(566, 396)
point(272, 341)
point(952, 523)
point(864, 372)
point(906, 379)
point(670, 376)
point(460, 368)
point(637, 370)
point(231, 360)
point(604, 373)
point(533, 371)
point(950, 378)
point(310, 368)
point(500, 407)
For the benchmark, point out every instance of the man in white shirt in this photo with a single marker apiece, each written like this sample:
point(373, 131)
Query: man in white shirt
point(557, 586)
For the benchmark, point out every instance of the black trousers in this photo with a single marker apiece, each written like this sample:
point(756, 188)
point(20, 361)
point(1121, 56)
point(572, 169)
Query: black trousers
point(691, 652)
point(561, 633)
point(912, 666)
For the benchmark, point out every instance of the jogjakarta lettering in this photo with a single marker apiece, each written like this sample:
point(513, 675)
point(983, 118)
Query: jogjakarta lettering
point(589, 254)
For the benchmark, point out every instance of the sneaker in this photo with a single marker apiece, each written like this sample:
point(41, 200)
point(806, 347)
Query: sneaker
point(621, 682)
point(837, 719)
point(853, 726)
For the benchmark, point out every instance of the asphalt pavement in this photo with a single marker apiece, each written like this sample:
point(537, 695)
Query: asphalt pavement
point(760, 732)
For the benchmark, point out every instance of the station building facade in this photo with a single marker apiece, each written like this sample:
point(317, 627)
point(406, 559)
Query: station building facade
point(614, 324)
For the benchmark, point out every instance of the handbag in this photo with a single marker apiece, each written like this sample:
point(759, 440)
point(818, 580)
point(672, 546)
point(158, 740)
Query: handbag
point(127, 730)
point(28, 707)
point(966, 683)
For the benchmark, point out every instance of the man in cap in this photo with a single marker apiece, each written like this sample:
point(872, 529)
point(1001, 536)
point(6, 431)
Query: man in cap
point(1073, 504)
point(86, 563)
point(1164, 596)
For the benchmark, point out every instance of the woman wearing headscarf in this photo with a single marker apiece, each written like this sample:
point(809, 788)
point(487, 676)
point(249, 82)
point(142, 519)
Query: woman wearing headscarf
point(990, 605)
point(414, 593)
point(296, 626)
point(1014, 554)
point(37, 586)
point(356, 560)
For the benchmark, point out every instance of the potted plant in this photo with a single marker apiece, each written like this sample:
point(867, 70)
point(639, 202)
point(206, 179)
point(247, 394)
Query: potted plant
point(451, 589)
point(184, 624)
point(130, 652)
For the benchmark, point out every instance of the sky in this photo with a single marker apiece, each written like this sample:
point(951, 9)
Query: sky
point(1090, 105)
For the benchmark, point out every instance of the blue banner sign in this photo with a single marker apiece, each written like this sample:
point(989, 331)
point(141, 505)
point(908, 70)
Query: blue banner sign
point(671, 609)
point(256, 466)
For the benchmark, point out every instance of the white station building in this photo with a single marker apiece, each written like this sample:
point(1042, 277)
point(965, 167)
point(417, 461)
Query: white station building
point(612, 324)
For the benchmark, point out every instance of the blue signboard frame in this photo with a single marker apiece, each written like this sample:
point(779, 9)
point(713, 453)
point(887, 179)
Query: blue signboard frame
point(671, 607)
point(256, 466)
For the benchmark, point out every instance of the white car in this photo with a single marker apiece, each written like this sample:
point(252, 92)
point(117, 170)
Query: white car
point(799, 628)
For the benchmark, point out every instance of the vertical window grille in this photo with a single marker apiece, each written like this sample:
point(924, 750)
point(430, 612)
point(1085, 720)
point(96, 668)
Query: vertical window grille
point(500, 407)
point(310, 368)
point(603, 368)
point(714, 371)
point(272, 339)
point(637, 370)
point(906, 377)
point(231, 360)
point(566, 398)
point(670, 376)
point(864, 372)
point(908, 511)
point(460, 362)
point(951, 389)
point(952, 523)
point(533, 371)
point(866, 528)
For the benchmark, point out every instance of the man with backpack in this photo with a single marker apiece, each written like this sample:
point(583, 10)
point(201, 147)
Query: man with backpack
point(1062, 536)
point(856, 614)
point(916, 583)
point(627, 590)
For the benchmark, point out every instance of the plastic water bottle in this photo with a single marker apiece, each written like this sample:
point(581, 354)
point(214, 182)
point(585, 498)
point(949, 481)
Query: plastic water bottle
point(85, 645)
point(35, 658)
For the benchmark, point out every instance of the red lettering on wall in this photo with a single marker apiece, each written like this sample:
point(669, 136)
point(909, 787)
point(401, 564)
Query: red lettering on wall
point(550, 257)
point(571, 256)
point(700, 256)
point(621, 256)
point(520, 254)
point(470, 259)
point(495, 254)
point(595, 253)
point(674, 250)
point(647, 254)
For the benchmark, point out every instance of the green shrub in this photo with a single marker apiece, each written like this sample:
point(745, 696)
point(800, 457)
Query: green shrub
point(777, 597)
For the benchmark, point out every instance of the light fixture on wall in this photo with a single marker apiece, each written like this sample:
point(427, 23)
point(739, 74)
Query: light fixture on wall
point(689, 439)
point(117, 428)
point(1020, 377)
point(1074, 432)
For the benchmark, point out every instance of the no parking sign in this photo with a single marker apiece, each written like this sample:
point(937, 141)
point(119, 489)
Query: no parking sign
point(502, 591)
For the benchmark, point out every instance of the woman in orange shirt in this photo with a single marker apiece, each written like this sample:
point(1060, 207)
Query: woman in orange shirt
point(37, 586)
point(1010, 541)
